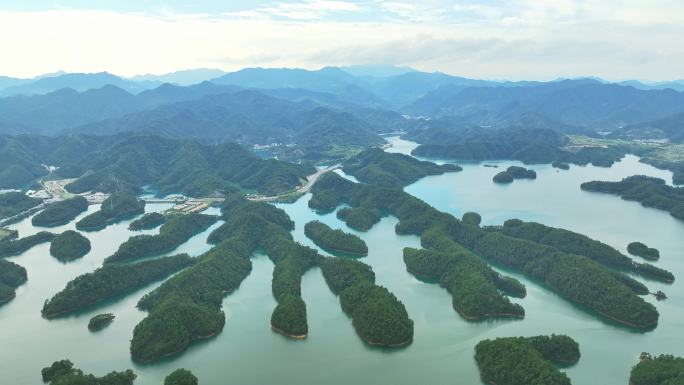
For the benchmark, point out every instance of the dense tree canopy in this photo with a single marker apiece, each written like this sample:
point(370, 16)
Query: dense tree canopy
point(63, 373)
point(658, 370)
point(10, 247)
point(118, 206)
point(147, 221)
point(359, 218)
point(11, 277)
point(69, 245)
point(100, 321)
point(335, 241)
point(641, 250)
point(181, 377)
point(60, 213)
point(13, 203)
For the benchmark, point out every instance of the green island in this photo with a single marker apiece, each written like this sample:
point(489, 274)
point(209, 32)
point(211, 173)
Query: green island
point(641, 250)
point(60, 213)
point(69, 245)
point(100, 321)
point(359, 218)
point(574, 243)
point(649, 191)
point(560, 165)
point(176, 230)
point(577, 278)
point(335, 241)
point(117, 207)
point(181, 377)
point(11, 277)
point(378, 167)
point(11, 247)
point(526, 361)
point(377, 315)
point(111, 281)
point(14, 203)
point(514, 172)
point(147, 222)
point(502, 178)
point(63, 373)
point(657, 370)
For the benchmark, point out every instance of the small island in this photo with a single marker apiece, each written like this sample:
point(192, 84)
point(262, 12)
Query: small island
point(63, 373)
point(641, 250)
point(116, 207)
point(60, 213)
point(10, 247)
point(69, 245)
point(524, 361)
point(147, 222)
point(11, 277)
point(181, 377)
point(514, 172)
point(100, 321)
point(503, 178)
point(660, 370)
point(335, 241)
point(560, 165)
point(359, 218)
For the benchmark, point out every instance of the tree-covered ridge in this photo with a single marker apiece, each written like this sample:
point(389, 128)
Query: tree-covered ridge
point(641, 250)
point(649, 191)
point(658, 370)
point(111, 281)
point(117, 207)
point(69, 245)
point(147, 222)
point(359, 218)
point(377, 315)
point(13, 203)
point(577, 278)
point(335, 241)
point(525, 361)
point(11, 277)
point(376, 166)
point(176, 230)
point(63, 373)
point(60, 213)
point(173, 166)
point(574, 243)
point(10, 247)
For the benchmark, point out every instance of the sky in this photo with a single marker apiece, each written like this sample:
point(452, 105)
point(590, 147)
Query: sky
point(487, 39)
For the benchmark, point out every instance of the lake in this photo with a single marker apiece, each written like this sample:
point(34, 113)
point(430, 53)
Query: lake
point(248, 352)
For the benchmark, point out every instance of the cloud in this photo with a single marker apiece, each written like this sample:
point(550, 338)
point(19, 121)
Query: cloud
point(303, 10)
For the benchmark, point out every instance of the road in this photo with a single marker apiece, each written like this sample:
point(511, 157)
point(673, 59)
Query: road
point(310, 181)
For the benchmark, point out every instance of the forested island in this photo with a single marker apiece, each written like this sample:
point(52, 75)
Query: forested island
point(14, 203)
point(578, 278)
point(69, 245)
point(147, 222)
point(63, 373)
point(111, 281)
point(117, 207)
point(176, 230)
point(11, 277)
point(526, 361)
point(100, 321)
point(649, 191)
point(181, 377)
point(514, 172)
point(376, 166)
point(377, 315)
point(60, 213)
point(657, 370)
point(641, 250)
point(335, 241)
point(11, 247)
point(359, 218)
point(560, 165)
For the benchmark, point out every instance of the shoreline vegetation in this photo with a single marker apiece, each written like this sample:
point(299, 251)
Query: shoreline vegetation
point(512, 173)
point(100, 321)
point(60, 213)
point(147, 222)
point(11, 277)
point(12, 247)
point(69, 246)
point(117, 207)
point(641, 250)
point(657, 370)
point(335, 241)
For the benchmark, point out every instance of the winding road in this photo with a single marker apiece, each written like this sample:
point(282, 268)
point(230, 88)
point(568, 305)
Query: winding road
point(310, 181)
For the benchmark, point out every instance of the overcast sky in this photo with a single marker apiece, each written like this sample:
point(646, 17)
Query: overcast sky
point(492, 39)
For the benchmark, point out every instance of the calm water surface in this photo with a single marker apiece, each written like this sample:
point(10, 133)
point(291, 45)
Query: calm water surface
point(248, 352)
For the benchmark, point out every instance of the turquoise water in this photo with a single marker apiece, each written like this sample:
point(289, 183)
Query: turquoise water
point(248, 352)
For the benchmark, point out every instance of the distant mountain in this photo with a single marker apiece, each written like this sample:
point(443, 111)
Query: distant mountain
point(677, 85)
point(329, 79)
point(184, 77)
point(578, 103)
point(77, 82)
point(376, 70)
point(6, 82)
point(669, 128)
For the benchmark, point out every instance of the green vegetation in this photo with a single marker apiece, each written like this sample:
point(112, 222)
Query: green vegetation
point(111, 281)
point(660, 370)
point(7, 234)
point(117, 207)
point(575, 277)
point(471, 218)
point(503, 177)
point(100, 321)
point(69, 245)
point(376, 166)
point(181, 377)
point(359, 218)
point(514, 172)
point(574, 243)
point(10, 247)
point(525, 361)
point(13, 203)
point(147, 221)
point(651, 192)
point(63, 373)
point(11, 277)
point(335, 241)
point(173, 233)
point(377, 315)
point(560, 165)
point(641, 250)
point(60, 213)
